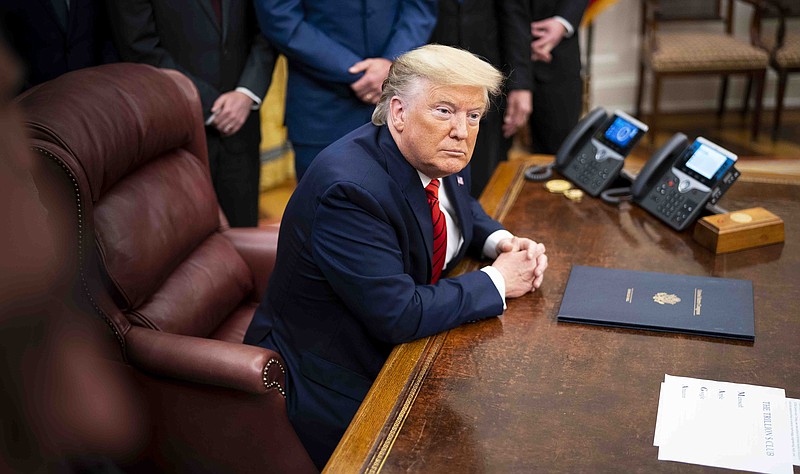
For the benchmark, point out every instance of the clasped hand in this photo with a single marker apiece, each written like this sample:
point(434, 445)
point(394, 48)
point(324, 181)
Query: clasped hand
point(368, 87)
point(522, 263)
point(546, 36)
point(230, 110)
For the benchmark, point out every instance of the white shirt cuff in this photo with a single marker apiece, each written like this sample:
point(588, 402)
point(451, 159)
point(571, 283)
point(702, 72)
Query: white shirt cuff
point(498, 281)
point(567, 25)
point(253, 97)
point(490, 246)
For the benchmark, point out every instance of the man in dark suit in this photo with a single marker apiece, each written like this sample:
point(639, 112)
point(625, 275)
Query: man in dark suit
point(498, 31)
point(380, 215)
point(52, 37)
point(339, 52)
point(557, 87)
point(216, 43)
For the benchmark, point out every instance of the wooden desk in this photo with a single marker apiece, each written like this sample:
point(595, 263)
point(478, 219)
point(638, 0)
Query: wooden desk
point(523, 393)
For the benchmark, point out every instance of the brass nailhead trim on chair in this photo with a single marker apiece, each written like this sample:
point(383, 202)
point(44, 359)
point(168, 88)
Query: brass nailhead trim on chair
point(270, 385)
point(81, 267)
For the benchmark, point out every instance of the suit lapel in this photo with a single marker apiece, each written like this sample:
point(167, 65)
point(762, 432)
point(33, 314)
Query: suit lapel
point(418, 200)
point(73, 15)
point(408, 179)
point(47, 5)
point(226, 11)
point(205, 5)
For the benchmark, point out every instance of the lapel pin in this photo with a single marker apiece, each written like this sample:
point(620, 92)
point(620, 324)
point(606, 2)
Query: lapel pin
point(460, 180)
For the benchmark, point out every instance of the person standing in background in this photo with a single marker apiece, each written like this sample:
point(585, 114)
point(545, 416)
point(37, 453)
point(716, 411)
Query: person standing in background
point(216, 43)
point(499, 32)
point(339, 53)
point(557, 83)
point(52, 37)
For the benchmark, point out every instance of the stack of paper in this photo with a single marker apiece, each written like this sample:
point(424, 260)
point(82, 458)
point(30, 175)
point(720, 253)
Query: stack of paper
point(728, 425)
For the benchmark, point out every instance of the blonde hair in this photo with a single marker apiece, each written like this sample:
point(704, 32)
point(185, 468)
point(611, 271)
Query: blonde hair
point(437, 65)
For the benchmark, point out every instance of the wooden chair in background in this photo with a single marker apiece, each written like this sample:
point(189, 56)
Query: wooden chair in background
point(782, 43)
point(703, 44)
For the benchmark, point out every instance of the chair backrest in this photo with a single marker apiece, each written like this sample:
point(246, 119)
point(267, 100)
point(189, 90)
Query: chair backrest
point(144, 195)
point(705, 13)
point(791, 8)
point(686, 10)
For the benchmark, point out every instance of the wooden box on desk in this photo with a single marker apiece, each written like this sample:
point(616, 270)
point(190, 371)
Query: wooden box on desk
point(748, 228)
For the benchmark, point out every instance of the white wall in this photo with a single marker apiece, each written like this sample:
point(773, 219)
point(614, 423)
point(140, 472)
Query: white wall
point(614, 64)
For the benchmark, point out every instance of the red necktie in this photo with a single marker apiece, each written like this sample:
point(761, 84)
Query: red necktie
point(217, 6)
point(439, 230)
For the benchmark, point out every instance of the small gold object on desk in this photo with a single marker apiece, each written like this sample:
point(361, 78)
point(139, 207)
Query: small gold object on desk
point(748, 228)
point(574, 194)
point(557, 186)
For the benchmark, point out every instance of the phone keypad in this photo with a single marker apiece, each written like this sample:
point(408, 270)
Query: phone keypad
point(589, 173)
point(671, 203)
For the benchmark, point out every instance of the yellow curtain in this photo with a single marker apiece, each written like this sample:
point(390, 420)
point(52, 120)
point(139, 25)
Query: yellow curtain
point(594, 8)
point(277, 159)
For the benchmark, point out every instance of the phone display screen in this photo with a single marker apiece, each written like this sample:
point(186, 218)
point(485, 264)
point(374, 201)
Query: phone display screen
point(706, 163)
point(621, 134)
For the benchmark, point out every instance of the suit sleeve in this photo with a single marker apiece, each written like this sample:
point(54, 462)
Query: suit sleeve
point(515, 30)
point(572, 11)
point(417, 18)
point(356, 245)
point(283, 23)
point(137, 39)
point(257, 73)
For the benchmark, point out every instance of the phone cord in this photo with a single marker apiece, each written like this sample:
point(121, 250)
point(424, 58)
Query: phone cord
point(617, 195)
point(539, 172)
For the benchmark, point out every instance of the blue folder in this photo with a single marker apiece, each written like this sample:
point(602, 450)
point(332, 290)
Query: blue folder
point(707, 306)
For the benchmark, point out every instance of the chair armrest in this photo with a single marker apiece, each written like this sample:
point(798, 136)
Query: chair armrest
point(207, 361)
point(258, 248)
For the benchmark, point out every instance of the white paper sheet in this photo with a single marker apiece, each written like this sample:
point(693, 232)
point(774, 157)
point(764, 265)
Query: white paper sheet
point(794, 427)
point(724, 424)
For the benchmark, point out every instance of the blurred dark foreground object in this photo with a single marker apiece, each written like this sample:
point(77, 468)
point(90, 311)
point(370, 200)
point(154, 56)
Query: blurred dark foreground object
point(125, 156)
point(66, 405)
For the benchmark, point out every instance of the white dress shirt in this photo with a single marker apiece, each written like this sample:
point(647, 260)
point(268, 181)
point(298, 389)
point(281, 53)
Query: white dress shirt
point(455, 239)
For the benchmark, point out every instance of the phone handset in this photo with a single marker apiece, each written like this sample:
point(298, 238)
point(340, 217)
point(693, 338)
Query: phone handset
point(579, 136)
point(655, 167)
point(592, 155)
point(576, 139)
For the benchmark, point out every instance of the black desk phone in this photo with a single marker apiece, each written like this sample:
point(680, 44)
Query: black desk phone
point(680, 179)
point(593, 153)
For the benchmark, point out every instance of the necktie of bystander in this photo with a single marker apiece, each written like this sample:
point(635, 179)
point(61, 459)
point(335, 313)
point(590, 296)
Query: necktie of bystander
point(439, 230)
point(217, 6)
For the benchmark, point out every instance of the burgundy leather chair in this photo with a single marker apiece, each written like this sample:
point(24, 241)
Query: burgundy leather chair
point(158, 264)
